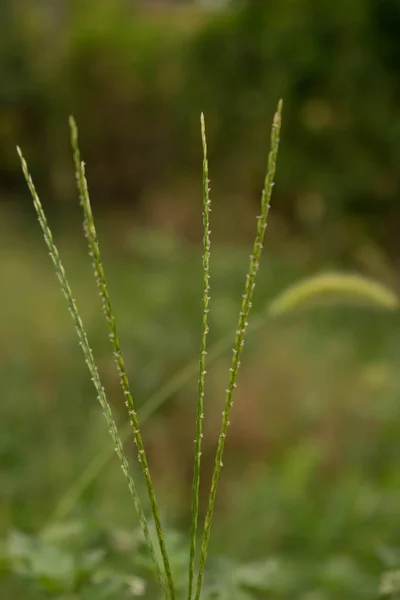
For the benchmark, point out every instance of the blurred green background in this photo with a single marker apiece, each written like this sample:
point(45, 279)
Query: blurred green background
point(309, 503)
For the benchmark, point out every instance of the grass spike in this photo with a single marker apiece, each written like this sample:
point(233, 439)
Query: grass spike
point(94, 250)
point(202, 361)
point(240, 336)
point(339, 287)
point(89, 359)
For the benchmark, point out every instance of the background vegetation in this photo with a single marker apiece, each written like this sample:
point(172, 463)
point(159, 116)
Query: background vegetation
point(310, 493)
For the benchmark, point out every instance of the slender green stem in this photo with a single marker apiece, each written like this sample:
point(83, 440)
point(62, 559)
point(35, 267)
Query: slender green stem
point(94, 249)
point(240, 336)
point(89, 359)
point(203, 352)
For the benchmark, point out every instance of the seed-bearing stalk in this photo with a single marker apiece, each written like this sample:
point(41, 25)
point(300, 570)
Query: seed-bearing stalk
point(94, 250)
point(202, 362)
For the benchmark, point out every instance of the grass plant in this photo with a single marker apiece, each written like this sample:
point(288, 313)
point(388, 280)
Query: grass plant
point(165, 580)
point(326, 286)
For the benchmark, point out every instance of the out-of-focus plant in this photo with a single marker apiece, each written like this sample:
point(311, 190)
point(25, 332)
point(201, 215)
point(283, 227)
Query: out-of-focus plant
point(58, 572)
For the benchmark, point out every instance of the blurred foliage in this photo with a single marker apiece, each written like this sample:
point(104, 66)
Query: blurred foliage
point(88, 561)
point(309, 504)
point(309, 500)
point(137, 79)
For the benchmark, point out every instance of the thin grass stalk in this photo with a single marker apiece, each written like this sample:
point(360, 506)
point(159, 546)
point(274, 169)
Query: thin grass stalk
point(202, 361)
point(94, 251)
point(240, 335)
point(89, 359)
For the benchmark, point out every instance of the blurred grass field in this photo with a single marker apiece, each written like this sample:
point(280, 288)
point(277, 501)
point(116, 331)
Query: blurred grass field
point(309, 501)
point(311, 475)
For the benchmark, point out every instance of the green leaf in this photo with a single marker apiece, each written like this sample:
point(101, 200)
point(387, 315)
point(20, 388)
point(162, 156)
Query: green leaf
point(257, 575)
point(390, 583)
point(54, 568)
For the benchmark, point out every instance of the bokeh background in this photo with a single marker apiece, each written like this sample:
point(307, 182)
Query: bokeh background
point(309, 503)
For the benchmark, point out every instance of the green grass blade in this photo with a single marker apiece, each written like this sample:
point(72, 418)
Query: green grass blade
point(89, 359)
point(203, 352)
point(240, 336)
point(94, 249)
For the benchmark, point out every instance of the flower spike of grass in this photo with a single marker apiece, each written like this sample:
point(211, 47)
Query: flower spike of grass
point(202, 361)
point(89, 359)
point(94, 250)
point(240, 335)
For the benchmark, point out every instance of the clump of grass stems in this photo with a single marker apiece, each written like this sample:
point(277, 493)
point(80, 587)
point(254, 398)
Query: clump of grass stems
point(165, 579)
point(341, 287)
